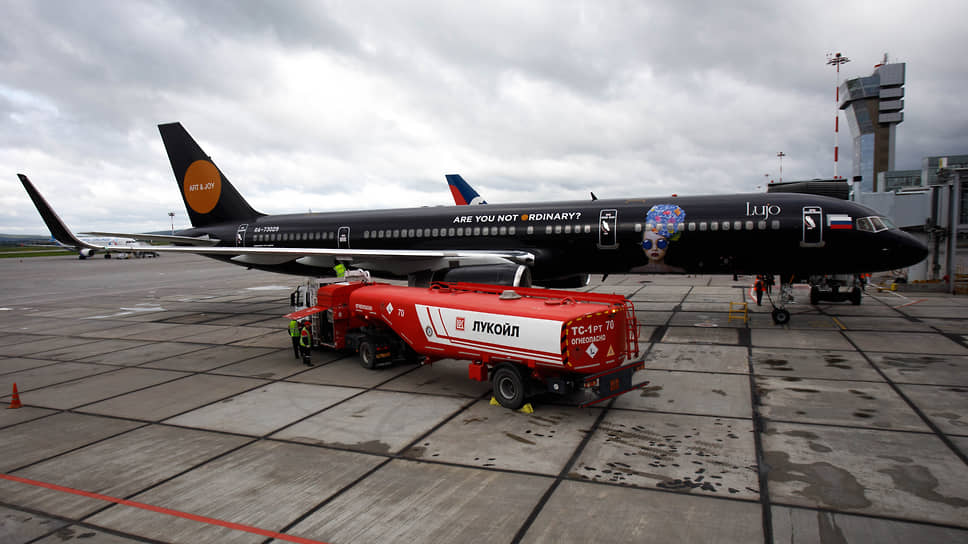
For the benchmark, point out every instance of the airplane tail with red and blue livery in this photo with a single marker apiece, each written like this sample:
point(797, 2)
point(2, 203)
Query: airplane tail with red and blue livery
point(464, 194)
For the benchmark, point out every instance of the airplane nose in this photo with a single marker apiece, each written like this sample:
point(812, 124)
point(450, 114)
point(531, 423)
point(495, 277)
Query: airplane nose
point(910, 250)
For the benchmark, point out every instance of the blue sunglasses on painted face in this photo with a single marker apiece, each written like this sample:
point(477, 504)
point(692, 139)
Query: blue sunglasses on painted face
point(661, 244)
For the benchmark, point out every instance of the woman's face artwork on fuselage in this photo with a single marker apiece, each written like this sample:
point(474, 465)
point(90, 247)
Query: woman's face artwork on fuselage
point(655, 246)
point(664, 224)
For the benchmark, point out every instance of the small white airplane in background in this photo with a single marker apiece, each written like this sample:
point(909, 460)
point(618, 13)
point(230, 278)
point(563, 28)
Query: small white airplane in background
point(135, 248)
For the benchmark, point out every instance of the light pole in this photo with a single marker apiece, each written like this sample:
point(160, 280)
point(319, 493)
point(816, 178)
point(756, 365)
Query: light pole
point(172, 216)
point(836, 60)
point(781, 155)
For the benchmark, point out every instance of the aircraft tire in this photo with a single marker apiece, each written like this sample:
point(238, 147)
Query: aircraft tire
point(814, 295)
point(509, 387)
point(367, 354)
point(855, 296)
point(781, 317)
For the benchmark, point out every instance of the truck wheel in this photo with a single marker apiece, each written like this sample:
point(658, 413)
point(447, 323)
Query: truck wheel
point(855, 296)
point(508, 385)
point(367, 354)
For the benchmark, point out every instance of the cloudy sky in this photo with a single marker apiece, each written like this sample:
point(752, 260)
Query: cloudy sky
point(331, 105)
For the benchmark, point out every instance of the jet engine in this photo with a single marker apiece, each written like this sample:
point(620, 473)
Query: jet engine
point(85, 253)
point(515, 275)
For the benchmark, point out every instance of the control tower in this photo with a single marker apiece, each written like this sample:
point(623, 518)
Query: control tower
point(874, 107)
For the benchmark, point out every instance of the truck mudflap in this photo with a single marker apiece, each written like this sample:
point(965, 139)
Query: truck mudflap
point(612, 382)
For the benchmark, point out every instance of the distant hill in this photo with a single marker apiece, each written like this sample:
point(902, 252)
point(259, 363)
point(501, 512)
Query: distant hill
point(17, 239)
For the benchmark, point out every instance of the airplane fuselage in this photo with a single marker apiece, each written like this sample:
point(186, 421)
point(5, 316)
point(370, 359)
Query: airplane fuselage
point(740, 233)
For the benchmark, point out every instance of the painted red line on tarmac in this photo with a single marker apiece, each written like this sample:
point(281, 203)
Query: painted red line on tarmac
point(166, 511)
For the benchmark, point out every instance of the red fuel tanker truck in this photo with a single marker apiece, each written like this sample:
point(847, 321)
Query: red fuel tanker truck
point(525, 340)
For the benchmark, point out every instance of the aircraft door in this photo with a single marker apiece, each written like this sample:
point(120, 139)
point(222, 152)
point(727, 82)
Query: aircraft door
point(240, 235)
point(343, 238)
point(607, 229)
point(812, 227)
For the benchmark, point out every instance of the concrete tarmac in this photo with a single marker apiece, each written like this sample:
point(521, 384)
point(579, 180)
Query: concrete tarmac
point(162, 403)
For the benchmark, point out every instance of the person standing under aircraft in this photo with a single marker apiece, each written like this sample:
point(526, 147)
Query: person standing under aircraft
point(305, 344)
point(294, 334)
point(759, 290)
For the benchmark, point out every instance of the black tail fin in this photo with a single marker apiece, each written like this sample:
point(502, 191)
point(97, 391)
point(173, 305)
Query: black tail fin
point(208, 195)
point(58, 229)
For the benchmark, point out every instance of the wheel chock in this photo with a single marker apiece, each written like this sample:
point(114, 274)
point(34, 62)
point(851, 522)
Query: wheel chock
point(494, 402)
point(526, 409)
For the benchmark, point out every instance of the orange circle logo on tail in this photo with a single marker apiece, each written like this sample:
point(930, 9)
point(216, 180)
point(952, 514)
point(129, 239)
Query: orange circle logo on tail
point(202, 186)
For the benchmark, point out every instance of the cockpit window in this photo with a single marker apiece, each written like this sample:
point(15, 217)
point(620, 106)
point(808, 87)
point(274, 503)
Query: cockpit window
point(875, 224)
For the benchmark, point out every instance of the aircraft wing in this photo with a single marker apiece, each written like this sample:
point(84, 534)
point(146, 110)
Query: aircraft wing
point(402, 262)
point(164, 238)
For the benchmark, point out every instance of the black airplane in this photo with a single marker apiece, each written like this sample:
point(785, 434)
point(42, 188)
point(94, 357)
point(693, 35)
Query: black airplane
point(554, 244)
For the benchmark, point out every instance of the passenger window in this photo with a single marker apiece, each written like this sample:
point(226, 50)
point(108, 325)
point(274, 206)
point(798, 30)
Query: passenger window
point(761, 225)
point(702, 226)
point(512, 230)
point(775, 224)
point(435, 232)
point(714, 226)
point(725, 225)
point(503, 231)
point(567, 229)
point(692, 226)
point(638, 227)
point(557, 229)
point(477, 231)
point(460, 231)
point(530, 230)
point(749, 225)
point(548, 229)
point(450, 232)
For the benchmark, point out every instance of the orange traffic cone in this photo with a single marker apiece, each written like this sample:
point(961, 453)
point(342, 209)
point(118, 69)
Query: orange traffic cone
point(15, 399)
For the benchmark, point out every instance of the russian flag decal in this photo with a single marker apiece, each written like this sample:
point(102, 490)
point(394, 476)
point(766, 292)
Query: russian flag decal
point(839, 221)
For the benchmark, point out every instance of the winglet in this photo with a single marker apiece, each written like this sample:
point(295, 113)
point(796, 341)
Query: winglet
point(57, 227)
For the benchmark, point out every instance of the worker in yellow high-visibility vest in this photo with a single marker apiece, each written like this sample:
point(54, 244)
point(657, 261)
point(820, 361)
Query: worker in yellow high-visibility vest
point(294, 334)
